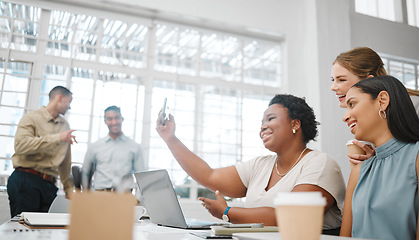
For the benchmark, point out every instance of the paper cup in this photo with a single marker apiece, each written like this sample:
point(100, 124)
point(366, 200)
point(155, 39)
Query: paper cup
point(300, 215)
point(354, 149)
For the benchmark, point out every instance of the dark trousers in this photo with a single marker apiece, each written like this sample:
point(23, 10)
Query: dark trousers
point(334, 232)
point(29, 193)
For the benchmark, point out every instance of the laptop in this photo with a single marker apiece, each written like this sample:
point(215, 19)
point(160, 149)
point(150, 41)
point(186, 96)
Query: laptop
point(60, 205)
point(161, 202)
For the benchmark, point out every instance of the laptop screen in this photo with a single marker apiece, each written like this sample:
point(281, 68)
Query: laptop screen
point(160, 198)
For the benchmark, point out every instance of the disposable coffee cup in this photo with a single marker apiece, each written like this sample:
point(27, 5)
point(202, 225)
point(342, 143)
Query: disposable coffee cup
point(354, 149)
point(300, 215)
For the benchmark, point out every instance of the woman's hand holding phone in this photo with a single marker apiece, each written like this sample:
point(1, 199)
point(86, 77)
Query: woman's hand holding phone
point(163, 115)
point(165, 125)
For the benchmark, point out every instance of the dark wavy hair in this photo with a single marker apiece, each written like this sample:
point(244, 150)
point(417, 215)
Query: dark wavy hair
point(299, 109)
point(402, 119)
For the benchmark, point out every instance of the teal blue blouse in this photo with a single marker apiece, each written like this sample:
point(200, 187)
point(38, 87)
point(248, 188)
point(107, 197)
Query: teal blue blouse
point(385, 200)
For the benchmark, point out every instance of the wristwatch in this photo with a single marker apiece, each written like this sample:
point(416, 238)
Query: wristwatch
point(225, 217)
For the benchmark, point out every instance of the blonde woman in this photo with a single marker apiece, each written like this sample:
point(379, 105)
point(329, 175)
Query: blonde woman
point(351, 67)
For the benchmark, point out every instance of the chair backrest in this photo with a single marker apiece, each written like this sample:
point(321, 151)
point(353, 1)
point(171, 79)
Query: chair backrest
point(76, 172)
point(60, 205)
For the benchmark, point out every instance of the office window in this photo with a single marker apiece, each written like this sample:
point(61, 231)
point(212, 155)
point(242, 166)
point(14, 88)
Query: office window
point(406, 72)
point(72, 35)
point(217, 83)
point(53, 75)
point(261, 63)
point(221, 56)
point(221, 117)
point(124, 91)
point(19, 26)
point(123, 43)
point(384, 9)
point(14, 86)
point(413, 12)
point(177, 49)
point(393, 10)
point(253, 107)
point(181, 103)
point(79, 117)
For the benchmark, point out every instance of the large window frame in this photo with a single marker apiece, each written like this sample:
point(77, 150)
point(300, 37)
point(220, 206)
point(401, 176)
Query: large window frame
point(217, 92)
point(406, 70)
point(402, 11)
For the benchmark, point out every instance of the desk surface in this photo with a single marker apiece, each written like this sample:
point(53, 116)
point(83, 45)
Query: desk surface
point(142, 230)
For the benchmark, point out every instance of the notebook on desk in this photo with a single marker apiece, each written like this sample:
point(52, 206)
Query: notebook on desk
point(42, 220)
point(161, 201)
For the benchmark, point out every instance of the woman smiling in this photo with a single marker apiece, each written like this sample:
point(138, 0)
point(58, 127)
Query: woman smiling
point(381, 201)
point(288, 124)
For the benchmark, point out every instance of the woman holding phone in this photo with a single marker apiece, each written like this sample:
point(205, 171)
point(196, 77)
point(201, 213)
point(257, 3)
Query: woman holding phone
point(288, 124)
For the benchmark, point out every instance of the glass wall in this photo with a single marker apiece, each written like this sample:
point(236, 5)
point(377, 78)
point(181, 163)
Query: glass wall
point(406, 71)
point(403, 11)
point(413, 12)
point(384, 9)
point(14, 86)
point(218, 84)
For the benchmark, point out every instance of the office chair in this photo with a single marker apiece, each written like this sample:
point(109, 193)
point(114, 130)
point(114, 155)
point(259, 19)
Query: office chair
point(77, 177)
point(76, 173)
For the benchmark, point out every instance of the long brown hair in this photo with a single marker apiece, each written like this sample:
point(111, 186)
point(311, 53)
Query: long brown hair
point(413, 92)
point(362, 61)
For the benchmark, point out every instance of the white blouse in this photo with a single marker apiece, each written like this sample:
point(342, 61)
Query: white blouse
point(314, 168)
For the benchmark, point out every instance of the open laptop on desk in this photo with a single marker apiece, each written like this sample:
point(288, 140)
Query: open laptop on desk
point(161, 201)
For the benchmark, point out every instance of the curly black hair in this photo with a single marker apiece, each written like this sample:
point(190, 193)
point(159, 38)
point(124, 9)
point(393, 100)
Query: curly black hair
point(300, 110)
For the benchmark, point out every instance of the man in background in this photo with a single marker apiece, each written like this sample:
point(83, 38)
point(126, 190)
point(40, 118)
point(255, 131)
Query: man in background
point(42, 152)
point(113, 159)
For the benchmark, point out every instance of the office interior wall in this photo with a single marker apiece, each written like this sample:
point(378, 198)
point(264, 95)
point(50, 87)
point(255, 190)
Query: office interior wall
point(333, 21)
point(385, 36)
point(314, 32)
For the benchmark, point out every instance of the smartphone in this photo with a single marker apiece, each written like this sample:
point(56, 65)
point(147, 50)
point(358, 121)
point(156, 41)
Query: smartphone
point(208, 235)
point(163, 115)
point(244, 225)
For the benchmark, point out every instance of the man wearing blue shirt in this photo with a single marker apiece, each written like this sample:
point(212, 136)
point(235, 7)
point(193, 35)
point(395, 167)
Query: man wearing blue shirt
point(114, 158)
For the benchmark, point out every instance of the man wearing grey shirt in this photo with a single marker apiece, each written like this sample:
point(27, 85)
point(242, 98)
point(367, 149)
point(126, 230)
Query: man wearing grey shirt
point(114, 158)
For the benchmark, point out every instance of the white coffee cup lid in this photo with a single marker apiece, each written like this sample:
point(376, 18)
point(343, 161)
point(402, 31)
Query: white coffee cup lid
point(300, 198)
point(364, 142)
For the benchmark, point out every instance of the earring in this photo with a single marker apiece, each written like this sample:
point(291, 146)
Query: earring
point(382, 114)
point(293, 130)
